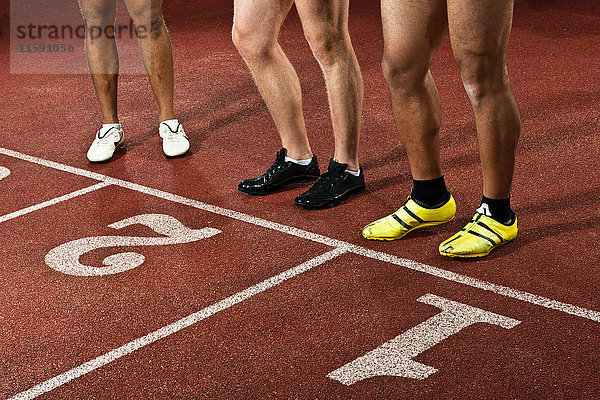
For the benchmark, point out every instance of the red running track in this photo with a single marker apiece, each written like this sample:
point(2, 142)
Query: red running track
point(281, 338)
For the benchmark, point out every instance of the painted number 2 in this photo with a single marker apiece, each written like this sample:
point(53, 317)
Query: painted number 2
point(65, 258)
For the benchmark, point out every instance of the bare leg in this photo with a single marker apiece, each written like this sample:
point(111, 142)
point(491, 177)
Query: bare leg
point(101, 53)
point(412, 32)
point(156, 51)
point(255, 31)
point(479, 32)
point(326, 28)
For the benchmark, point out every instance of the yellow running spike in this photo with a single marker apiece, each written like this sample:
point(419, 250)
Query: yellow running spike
point(478, 238)
point(409, 217)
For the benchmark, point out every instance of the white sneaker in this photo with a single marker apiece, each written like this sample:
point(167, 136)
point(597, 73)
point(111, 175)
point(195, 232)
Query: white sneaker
point(175, 143)
point(103, 147)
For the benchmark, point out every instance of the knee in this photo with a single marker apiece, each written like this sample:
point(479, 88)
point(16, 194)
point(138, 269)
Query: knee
point(151, 25)
point(329, 45)
point(482, 75)
point(404, 74)
point(157, 25)
point(98, 17)
point(252, 42)
point(148, 22)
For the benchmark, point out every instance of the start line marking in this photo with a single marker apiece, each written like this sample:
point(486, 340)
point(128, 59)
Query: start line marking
point(340, 247)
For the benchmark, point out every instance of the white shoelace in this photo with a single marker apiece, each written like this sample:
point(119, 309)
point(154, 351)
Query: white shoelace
point(107, 141)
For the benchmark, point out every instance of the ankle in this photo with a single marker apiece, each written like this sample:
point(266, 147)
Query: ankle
point(298, 155)
point(304, 161)
point(497, 209)
point(112, 119)
point(353, 167)
point(167, 115)
point(430, 193)
point(352, 163)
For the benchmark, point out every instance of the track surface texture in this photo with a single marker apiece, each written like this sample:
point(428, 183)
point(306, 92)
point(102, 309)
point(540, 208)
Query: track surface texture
point(214, 294)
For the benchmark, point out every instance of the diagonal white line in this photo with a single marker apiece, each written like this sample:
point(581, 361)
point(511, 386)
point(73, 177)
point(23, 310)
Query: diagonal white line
point(479, 284)
point(51, 202)
point(178, 199)
point(403, 262)
point(185, 322)
point(232, 214)
point(55, 165)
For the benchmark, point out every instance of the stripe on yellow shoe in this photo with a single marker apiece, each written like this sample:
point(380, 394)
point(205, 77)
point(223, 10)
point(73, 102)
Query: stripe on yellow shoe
point(399, 220)
point(483, 237)
point(491, 230)
point(409, 217)
point(480, 227)
point(466, 229)
point(416, 217)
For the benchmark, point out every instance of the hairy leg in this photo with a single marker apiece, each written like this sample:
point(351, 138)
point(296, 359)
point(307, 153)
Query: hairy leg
point(101, 54)
point(156, 50)
point(325, 24)
point(479, 33)
point(255, 31)
point(412, 30)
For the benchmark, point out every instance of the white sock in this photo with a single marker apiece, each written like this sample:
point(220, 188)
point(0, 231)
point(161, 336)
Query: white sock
point(299, 162)
point(106, 127)
point(355, 173)
point(173, 124)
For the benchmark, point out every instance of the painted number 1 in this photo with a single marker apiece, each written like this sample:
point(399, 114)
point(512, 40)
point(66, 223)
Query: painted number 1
point(65, 258)
point(395, 358)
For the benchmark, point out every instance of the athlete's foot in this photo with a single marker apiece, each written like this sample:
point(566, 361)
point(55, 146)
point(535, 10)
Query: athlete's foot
point(409, 217)
point(479, 237)
point(333, 187)
point(174, 140)
point(107, 140)
point(281, 174)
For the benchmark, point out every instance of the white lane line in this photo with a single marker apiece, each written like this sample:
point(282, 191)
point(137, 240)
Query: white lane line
point(232, 214)
point(51, 202)
point(185, 322)
point(479, 284)
point(178, 199)
point(55, 165)
point(403, 262)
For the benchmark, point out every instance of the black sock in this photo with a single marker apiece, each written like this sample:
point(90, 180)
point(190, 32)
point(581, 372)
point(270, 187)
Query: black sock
point(431, 193)
point(498, 209)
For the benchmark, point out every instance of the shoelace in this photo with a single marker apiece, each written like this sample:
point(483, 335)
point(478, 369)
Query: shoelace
point(173, 136)
point(277, 165)
point(107, 140)
point(328, 179)
point(472, 223)
point(170, 135)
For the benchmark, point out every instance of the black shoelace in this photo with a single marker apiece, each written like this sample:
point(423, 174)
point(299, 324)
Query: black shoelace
point(276, 167)
point(328, 180)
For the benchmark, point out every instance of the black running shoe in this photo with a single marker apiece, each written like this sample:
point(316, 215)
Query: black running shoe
point(335, 186)
point(282, 173)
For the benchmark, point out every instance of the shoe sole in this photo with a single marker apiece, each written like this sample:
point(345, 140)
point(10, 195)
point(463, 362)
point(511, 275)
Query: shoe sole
point(177, 155)
point(286, 185)
point(350, 193)
point(425, 225)
point(479, 255)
